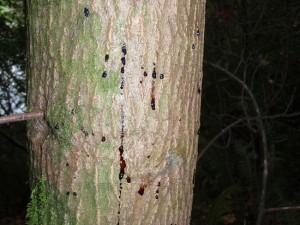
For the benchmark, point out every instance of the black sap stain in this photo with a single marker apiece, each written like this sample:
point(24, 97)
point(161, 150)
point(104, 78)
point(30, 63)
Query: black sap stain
point(153, 103)
point(124, 50)
point(123, 60)
point(86, 12)
point(84, 131)
point(122, 84)
point(198, 33)
point(104, 74)
point(199, 91)
point(106, 58)
point(154, 73)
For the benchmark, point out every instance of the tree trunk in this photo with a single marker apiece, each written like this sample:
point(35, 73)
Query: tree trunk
point(119, 83)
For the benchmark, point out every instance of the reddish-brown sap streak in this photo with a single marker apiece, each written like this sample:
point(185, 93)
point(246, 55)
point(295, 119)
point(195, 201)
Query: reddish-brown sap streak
point(152, 96)
point(141, 190)
point(122, 163)
point(157, 190)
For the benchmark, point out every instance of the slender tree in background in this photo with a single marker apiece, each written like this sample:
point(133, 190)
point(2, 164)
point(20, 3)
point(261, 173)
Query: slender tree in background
point(119, 84)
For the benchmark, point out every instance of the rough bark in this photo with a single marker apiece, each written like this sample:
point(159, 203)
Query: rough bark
point(119, 83)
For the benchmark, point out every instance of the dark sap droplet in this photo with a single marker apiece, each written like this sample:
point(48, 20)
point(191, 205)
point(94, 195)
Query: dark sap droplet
point(122, 69)
point(199, 90)
point(67, 164)
point(148, 156)
point(73, 111)
point(198, 33)
point(154, 74)
point(124, 50)
point(121, 175)
point(158, 184)
point(121, 149)
point(193, 46)
point(86, 12)
point(103, 139)
point(86, 133)
point(68, 193)
point(128, 179)
point(153, 64)
point(122, 84)
point(156, 196)
point(157, 191)
point(123, 60)
point(56, 126)
point(141, 190)
point(74, 193)
point(141, 81)
point(122, 164)
point(106, 57)
point(104, 74)
point(145, 74)
point(162, 76)
point(153, 104)
point(142, 67)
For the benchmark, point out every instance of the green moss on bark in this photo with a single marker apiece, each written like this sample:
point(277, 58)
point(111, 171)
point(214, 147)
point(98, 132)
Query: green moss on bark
point(48, 206)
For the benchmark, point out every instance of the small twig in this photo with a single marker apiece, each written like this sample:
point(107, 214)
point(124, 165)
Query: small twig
point(282, 115)
point(219, 135)
point(21, 117)
point(281, 209)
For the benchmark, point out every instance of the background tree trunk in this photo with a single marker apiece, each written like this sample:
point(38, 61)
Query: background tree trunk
point(120, 85)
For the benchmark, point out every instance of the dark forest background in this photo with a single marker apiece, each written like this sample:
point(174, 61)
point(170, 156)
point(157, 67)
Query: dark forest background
point(252, 64)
